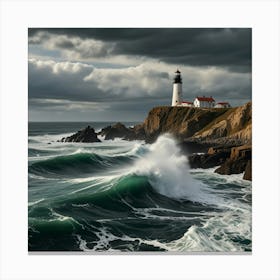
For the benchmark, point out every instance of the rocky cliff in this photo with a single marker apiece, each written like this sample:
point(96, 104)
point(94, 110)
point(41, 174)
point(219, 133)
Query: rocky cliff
point(219, 126)
point(235, 125)
point(228, 133)
point(224, 127)
point(225, 133)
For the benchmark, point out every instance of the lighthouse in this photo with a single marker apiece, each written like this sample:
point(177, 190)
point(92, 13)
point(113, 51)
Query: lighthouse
point(177, 89)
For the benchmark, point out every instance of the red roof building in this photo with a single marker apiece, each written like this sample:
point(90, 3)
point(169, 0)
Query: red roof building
point(187, 104)
point(222, 105)
point(204, 102)
point(207, 99)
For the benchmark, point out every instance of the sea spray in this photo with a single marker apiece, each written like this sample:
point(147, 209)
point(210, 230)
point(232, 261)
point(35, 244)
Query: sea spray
point(130, 196)
point(168, 171)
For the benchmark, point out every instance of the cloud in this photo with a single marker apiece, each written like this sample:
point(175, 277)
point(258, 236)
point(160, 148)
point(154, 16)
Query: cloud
point(148, 84)
point(58, 80)
point(72, 47)
point(66, 105)
point(59, 67)
point(121, 73)
point(82, 82)
point(141, 80)
point(221, 47)
point(219, 83)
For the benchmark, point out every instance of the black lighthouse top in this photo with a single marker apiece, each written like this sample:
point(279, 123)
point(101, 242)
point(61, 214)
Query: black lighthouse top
point(177, 77)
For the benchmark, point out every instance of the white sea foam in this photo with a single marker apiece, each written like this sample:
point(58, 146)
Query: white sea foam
point(45, 138)
point(84, 205)
point(62, 218)
point(216, 234)
point(35, 202)
point(200, 173)
point(168, 172)
point(101, 183)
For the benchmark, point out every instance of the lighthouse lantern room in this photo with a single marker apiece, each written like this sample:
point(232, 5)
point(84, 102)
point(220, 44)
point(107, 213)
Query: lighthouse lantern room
point(177, 89)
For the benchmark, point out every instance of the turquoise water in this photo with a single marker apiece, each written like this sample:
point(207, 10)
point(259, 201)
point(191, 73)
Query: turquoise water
point(129, 196)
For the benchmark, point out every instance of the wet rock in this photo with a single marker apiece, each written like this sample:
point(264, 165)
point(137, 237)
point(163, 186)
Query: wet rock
point(237, 161)
point(248, 171)
point(210, 159)
point(117, 130)
point(87, 135)
point(136, 133)
point(232, 167)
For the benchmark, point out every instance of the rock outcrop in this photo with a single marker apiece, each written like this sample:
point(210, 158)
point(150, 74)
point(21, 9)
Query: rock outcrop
point(119, 130)
point(237, 162)
point(233, 160)
point(225, 127)
point(227, 130)
point(137, 133)
point(87, 135)
point(231, 126)
point(248, 171)
point(209, 159)
point(182, 122)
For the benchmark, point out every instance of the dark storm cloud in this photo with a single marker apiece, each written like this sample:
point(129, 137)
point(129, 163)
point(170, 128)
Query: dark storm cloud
point(120, 74)
point(76, 82)
point(44, 83)
point(228, 48)
point(83, 85)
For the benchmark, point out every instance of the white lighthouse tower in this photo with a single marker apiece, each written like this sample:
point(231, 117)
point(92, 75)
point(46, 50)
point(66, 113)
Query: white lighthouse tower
point(177, 89)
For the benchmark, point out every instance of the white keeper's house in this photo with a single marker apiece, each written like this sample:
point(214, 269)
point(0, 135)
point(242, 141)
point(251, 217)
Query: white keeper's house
point(222, 105)
point(187, 104)
point(205, 102)
point(200, 101)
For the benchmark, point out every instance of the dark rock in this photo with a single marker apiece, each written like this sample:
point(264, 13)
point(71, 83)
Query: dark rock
point(206, 126)
point(237, 161)
point(232, 167)
point(248, 171)
point(136, 133)
point(104, 130)
point(232, 160)
point(86, 135)
point(211, 159)
point(118, 130)
point(190, 147)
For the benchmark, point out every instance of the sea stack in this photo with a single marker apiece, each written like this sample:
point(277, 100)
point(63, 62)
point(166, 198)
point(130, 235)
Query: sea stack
point(86, 135)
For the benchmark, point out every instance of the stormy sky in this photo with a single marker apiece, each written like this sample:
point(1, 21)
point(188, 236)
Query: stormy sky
point(115, 74)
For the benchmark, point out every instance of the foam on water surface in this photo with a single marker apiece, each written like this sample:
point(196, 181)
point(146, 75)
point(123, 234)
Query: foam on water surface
point(153, 201)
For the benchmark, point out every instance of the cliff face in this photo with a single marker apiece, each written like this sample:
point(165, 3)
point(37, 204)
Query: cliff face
point(218, 126)
point(234, 124)
point(182, 122)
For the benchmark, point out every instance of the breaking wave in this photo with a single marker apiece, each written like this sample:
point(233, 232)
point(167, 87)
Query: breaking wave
point(133, 197)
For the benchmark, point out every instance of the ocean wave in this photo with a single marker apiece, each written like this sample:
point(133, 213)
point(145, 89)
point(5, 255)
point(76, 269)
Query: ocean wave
point(78, 163)
point(135, 197)
point(46, 138)
point(217, 234)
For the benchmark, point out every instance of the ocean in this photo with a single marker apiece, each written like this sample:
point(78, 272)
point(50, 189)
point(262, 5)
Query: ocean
point(128, 196)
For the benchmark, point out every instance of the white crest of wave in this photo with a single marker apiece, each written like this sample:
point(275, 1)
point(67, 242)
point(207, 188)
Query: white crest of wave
point(168, 171)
